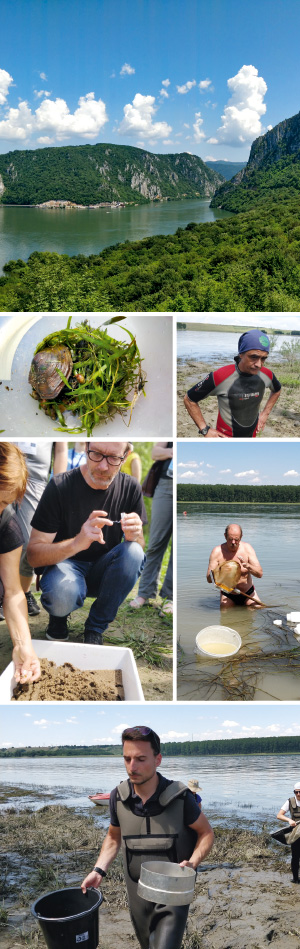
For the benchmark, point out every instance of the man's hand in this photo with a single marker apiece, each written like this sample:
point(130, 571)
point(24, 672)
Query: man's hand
point(261, 422)
point(131, 526)
point(93, 879)
point(92, 529)
point(27, 665)
point(244, 567)
point(212, 433)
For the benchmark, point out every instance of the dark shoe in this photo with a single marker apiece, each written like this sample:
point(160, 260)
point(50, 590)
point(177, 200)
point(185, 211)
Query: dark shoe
point(92, 639)
point(57, 629)
point(32, 604)
point(1, 613)
point(295, 881)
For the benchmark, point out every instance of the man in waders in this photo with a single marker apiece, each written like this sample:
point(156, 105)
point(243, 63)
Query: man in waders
point(235, 548)
point(239, 388)
point(293, 806)
point(151, 818)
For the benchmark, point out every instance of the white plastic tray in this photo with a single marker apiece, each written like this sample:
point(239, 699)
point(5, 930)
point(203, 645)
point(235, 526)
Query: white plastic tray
point(82, 657)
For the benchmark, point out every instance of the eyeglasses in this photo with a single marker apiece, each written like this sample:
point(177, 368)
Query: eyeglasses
point(296, 792)
point(142, 732)
point(98, 456)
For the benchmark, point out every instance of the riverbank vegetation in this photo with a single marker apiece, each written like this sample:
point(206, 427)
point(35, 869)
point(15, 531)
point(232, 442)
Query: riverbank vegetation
point(247, 262)
point(240, 493)
point(274, 745)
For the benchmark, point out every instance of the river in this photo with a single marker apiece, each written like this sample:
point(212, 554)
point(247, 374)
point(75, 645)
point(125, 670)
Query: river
point(65, 231)
point(273, 531)
point(252, 787)
point(215, 346)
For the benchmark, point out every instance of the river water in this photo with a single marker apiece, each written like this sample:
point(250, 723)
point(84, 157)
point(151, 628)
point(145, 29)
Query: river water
point(273, 531)
point(24, 230)
point(216, 347)
point(251, 787)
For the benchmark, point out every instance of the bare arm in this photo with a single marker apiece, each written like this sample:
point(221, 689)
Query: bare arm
point(109, 850)
point(267, 409)
point(212, 563)
point(196, 414)
point(27, 667)
point(282, 816)
point(160, 452)
point(253, 563)
point(136, 469)
point(42, 551)
point(60, 463)
point(205, 839)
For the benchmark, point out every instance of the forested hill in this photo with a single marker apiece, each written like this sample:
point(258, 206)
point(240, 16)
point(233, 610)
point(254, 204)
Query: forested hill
point(240, 493)
point(93, 174)
point(227, 746)
point(226, 168)
point(271, 174)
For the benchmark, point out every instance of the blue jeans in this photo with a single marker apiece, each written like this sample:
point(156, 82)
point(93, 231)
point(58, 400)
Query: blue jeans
point(110, 578)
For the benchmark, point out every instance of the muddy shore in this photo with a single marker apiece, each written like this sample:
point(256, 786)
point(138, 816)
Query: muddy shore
point(283, 421)
point(243, 897)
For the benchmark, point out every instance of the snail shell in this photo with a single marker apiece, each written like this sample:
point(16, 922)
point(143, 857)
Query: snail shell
point(43, 375)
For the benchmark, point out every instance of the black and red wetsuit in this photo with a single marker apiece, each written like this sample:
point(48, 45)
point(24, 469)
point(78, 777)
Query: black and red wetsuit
point(239, 396)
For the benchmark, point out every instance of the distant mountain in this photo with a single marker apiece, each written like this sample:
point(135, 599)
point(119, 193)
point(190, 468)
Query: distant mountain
point(226, 168)
point(94, 174)
point(272, 172)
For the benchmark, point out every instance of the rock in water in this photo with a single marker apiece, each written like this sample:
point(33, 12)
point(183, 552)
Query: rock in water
point(43, 375)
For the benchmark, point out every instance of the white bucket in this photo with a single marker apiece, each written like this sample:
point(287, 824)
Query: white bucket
point(218, 642)
point(293, 617)
point(166, 883)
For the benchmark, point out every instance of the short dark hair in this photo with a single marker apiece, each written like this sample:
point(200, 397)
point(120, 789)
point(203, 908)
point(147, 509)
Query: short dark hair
point(142, 733)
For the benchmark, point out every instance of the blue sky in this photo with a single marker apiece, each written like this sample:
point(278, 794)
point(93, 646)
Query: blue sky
point(256, 463)
point(96, 724)
point(206, 76)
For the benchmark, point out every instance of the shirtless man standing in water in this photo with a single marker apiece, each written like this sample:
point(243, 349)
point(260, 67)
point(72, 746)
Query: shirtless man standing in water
point(236, 549)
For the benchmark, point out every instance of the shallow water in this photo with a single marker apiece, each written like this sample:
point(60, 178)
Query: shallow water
point(252, 787)
point(273, 531)
point(215, 347)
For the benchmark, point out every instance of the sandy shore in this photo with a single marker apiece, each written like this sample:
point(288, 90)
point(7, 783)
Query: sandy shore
point(283, 422)
point(243, 898)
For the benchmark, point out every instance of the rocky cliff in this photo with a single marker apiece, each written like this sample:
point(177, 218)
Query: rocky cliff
point(97, 174)
point(273, 167)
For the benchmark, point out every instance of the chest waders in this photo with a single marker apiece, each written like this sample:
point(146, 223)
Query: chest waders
point(162, 836)
point(295, 843)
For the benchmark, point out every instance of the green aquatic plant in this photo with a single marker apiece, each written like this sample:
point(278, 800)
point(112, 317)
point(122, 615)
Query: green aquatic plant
point(106, 376)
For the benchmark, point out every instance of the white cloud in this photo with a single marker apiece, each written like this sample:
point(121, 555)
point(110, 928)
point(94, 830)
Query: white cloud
point(242, 114)
point(127, 70)
point(173, 736)
point(138, 119)
point(46, 140)
point(256, 481)
point(228, 724)
point(198, 132)
point(186, 125)
point(43, 76)
point(291, 472)
point(86, 121)
point(244, 474)
point(212, 141)
point(188, 474)
point(251, 728)
point(186, 87)
point(5, 82)
point(166, 82)
point(189, 464)
point(41, 721)
point(164, 93)
point(42, 92)
point(225, 471)
point(18, 124)
point(7, 744)
point(204, 84)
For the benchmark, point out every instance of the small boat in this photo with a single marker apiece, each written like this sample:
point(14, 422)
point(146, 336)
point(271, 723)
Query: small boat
point(102, 799)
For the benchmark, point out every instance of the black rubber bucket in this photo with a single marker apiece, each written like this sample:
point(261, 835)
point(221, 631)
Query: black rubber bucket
point(69, 918)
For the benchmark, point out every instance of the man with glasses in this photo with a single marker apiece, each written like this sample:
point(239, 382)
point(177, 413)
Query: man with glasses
point(87, 537)
point(151, 818)
point(292, 805)
point(239, 388)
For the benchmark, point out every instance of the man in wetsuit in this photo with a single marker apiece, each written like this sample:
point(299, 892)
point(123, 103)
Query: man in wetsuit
point(151, 818)
point(239, 389)
point(236, 549)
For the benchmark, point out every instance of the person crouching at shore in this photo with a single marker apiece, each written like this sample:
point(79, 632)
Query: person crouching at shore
point(13, 477)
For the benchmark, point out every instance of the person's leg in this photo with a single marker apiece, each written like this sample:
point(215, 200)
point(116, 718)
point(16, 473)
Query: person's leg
point(160, 533)
point(167, 927)
point(110, 579)
point(64, 587)
point(295, 859)
point(167, 588)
